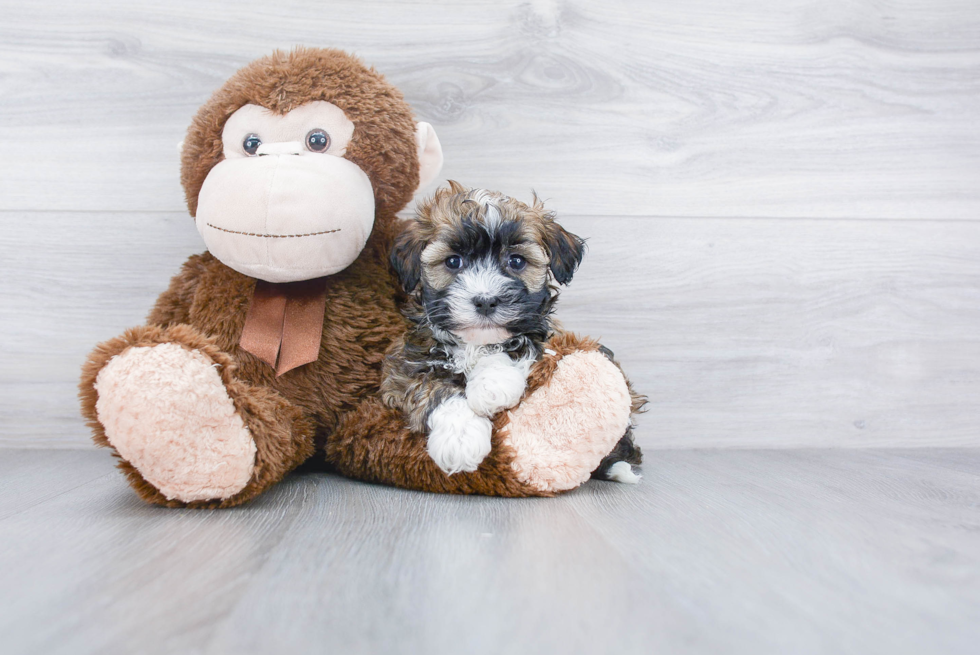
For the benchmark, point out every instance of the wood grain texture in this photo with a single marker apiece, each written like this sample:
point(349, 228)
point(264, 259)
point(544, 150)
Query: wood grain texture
point(27, 480)
point(96, 560)
point(720, 156)
point(756, 552)
point(812, 108)
point(767, 333)
point(745, 333)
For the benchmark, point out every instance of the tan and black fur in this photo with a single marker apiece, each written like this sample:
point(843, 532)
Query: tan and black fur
point(423, 369)
point(430, 364)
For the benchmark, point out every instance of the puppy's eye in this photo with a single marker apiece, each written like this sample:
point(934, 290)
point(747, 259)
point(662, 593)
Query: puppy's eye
point(517, 263)
point(251, 144)
point(317, 140)
point(454, 262)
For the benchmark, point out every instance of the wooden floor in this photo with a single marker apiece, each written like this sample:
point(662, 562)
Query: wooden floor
point(715, 551)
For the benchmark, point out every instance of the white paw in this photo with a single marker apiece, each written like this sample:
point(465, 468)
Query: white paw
point(622, 472)
point(495, 383)
point(458, 439)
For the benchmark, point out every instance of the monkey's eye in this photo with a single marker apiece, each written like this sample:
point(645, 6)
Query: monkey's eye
point(516, 262)
point(454, 262)
point(251, 144)
point(317, 140)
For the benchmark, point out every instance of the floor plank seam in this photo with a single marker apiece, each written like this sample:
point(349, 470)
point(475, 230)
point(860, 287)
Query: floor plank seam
point(47, 499)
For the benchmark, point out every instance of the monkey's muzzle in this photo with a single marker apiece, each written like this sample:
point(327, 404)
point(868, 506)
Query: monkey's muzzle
point(285, 217)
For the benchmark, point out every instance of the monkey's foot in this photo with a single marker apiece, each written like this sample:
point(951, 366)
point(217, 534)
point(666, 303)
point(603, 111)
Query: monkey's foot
point(561, 432)
point(167, 412)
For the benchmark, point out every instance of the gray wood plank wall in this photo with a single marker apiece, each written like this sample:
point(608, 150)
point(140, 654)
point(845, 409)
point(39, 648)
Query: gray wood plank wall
point(782, 198)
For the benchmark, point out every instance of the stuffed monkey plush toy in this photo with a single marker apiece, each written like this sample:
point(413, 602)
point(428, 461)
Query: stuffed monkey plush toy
point(268, 347)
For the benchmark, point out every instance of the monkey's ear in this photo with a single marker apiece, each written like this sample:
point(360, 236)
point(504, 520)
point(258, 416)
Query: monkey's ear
point(406, 257)
point(430, 153)
point(565, 249)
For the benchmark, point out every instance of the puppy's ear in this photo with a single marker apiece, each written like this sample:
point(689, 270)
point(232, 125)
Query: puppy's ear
point(406, 256)
point(566, 252)
point(565, 249)
point(455, 188)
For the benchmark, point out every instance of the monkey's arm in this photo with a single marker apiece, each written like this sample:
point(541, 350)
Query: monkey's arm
point(573, 415)
point(173, 306)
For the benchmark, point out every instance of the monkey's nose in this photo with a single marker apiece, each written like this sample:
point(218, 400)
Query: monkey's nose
point(282, 148)
point(486, 305)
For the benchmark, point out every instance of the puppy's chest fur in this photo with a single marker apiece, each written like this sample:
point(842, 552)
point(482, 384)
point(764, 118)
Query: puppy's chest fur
point(462, 359)
point(421, 355)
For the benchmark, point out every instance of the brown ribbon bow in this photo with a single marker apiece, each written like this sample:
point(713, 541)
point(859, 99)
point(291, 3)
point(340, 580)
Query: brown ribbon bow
point(284, 323)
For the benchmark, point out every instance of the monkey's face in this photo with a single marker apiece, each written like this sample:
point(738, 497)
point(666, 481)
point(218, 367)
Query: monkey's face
point(284, 205)
point(289, 164)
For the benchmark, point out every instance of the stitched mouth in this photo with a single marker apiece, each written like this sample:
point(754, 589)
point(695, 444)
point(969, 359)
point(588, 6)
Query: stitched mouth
point(272, 236)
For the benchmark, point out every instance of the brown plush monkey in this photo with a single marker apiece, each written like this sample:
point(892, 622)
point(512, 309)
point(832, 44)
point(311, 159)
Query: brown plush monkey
point(269, 346)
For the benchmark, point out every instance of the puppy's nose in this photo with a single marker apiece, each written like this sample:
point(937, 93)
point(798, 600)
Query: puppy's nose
point(486, 305)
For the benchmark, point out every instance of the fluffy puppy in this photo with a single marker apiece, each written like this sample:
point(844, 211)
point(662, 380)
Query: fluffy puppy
point(478, 267)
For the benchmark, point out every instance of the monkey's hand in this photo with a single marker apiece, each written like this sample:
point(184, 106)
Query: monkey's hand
point(458, 439)
point(496, 383)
